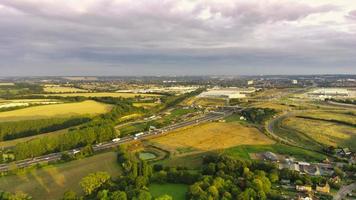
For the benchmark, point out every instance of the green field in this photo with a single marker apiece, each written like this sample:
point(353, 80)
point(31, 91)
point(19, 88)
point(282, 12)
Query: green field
point(103, 94)
point(244, 151)
point(11, 143)
point(58, 110)
point(52, 181)
point(177, 191)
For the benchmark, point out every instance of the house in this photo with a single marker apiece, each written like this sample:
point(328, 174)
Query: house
point(325, 189)
point(303, 188)
point(270, 156)
point(335, 180)
point(310, 169)
point(305, 197)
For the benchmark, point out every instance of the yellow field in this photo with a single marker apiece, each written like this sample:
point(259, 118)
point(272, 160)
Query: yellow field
point(7, 84)
point(327, 133)
point(60, 89)
point(272, 105)
point(58, 110)
point(103, 94)
point(129, 117)
point(145, 105)
point(212, 136)
point(203, 102)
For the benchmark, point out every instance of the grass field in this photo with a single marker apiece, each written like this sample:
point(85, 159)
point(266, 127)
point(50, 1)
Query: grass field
point(211, 136)
point(52, 181)
point(60, 89)
point(59, 110)
point(324, 132)
point(348, 117)
point(177, 191)
point(244, 151)
point(103, 94)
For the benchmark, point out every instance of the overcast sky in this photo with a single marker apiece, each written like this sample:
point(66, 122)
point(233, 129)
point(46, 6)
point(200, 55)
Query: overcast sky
point(177, 37)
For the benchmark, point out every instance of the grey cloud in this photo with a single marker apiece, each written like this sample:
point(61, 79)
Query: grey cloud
point(116, 35)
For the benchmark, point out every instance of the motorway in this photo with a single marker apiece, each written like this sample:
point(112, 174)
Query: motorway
point(107, 145)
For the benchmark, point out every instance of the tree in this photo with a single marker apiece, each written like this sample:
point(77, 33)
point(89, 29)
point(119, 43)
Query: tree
point(143, 195)
point(103, 195)
point(70, 195)
point(118, 195)
point(93, 181)
point(164, 197)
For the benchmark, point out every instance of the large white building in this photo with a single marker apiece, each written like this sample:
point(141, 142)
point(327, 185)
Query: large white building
point(323, 93)
point(227, 93)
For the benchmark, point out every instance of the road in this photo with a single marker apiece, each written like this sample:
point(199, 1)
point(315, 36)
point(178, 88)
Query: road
point(344, 105)
point(107, 145)
point(271, 124)
point(344, 191)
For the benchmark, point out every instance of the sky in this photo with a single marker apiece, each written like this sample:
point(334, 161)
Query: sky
point(177, 37)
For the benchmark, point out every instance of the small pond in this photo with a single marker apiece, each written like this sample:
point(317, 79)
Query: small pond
point(146, 155)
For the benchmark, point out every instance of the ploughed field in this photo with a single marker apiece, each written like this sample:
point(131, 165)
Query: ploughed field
point(89, 108)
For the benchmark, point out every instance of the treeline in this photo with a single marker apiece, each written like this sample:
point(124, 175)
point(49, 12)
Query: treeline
point(19, 129)
point(258, 115)
point(346, 101)
point(170, 101)
point(99, 129)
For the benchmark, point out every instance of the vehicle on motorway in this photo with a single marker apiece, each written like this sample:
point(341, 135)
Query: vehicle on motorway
point(139, 134)
point(75, 151)
point(116, 139)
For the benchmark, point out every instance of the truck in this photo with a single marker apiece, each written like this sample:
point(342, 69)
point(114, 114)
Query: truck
point(138, 134)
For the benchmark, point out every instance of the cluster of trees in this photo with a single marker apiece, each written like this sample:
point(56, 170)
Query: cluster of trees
point(99, 129)
point(173, 175)
point(226, 178)
point(258, 115)
point(14, 196)
point(19, 129)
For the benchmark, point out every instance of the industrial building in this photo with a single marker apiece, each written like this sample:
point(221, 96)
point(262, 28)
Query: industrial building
point(227, 93)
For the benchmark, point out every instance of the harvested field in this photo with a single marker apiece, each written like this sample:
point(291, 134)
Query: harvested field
point(60, 110)
point(211, 136)
point(103, 94)
point(60, 89)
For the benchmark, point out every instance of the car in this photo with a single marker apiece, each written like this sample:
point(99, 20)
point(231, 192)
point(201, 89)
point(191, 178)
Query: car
point(116, 139)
